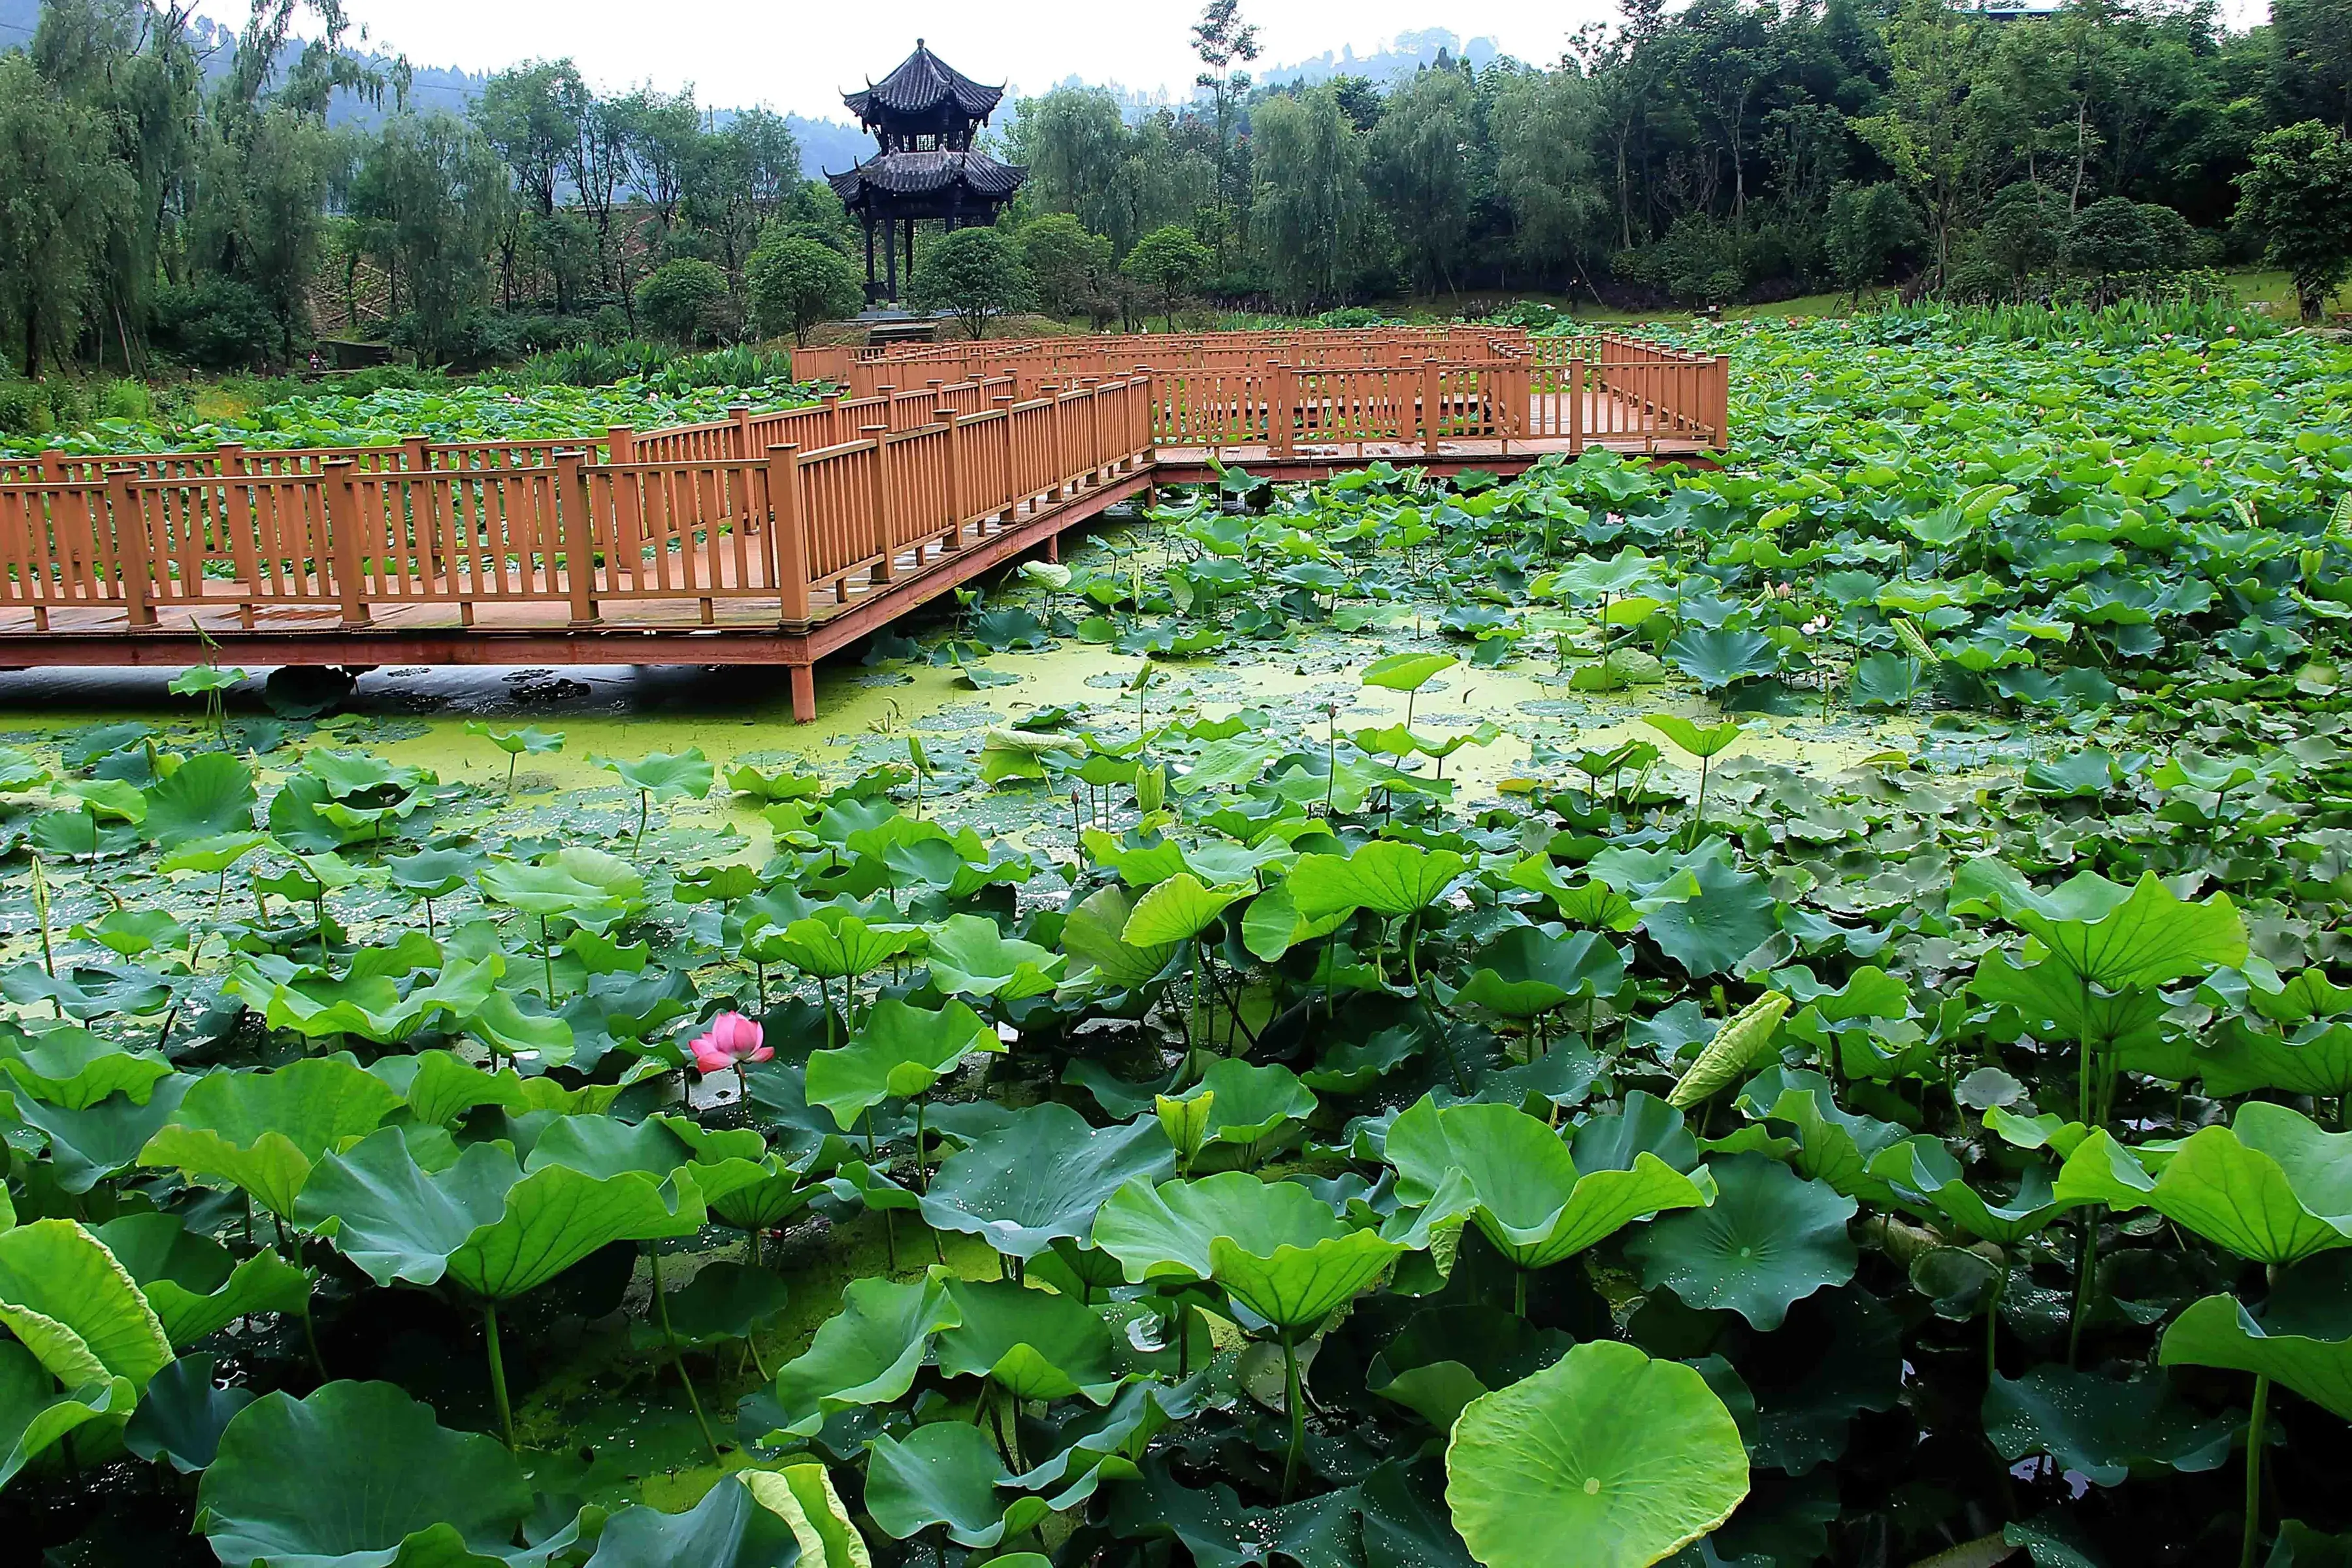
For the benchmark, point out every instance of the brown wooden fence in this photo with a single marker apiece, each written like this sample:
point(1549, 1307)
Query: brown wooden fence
point(775, 508)
point(804, 509)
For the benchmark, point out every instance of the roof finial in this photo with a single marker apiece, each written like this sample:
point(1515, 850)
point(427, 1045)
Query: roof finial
point(918, 42)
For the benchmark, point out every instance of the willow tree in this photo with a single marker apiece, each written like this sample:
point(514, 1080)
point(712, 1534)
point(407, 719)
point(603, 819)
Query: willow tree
point(63, 196)
point(1309, 210)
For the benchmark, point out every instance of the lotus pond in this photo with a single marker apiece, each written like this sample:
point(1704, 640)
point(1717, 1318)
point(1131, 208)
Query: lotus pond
point(1769, 1017)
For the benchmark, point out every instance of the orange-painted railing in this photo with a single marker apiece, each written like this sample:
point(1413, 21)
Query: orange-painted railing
point(836, 496)
point(776, 507)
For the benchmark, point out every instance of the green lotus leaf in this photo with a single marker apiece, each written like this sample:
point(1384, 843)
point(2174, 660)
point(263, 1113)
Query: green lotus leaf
point(1525, 972)
point(971, 956)
point(1629, 1458)
point(1709, 917)
point(359, 1475)
point(803, 1496)
point(1922, 1171)
point(2271, 1186)
point(211, 857)
point(945, 1473)
point(1388, 877)
point(1697, 740)
point(2112, 936)
point(71, 1302)
point(1769, 1238)
point(1093, 939)
point(1272, 924)
point(664, 774)
point(728, 1528)
point(1833, 1145)
point(586, 887)
point(723, 1301)
point(482, 1223)
point(836, 944)
point(182, 1415)
point(433, 873)
point(208, 795)
point(1445, 1357)
point(192, 1282)
point(36, 1415)
point(131, 933)
point(73, 1069)
point(1176, 909)
point(442, 1086)
point(2302, 1338)
point(1738, 1043)
point(1041, 1176)
point(1274, 1247)
point(901, 1051)
point(1034, 1344)
point(2107, 1430)
point(867, 1353)
point(2316, 1060)
point(1247, 1103)
point(103, 1140)
point(262, 1131)
point(1718, 655)
point(1524, 1192)
point(1408, 671)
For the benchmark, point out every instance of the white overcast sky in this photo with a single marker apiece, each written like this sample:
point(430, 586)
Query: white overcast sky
point(799, 56)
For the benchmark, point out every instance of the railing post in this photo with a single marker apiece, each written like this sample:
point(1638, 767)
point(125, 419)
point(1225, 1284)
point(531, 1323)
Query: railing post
point(53, 467)
point(1282, 410)
point(1721, 402)
point(1096, 466)
point(620, 444)
point(1004, 458)
point(740, 414)
point(129, 528)
point(886, 533)
point(413, 455)
point(343, 539)
point(230, 458)
point(832, 436)
point(957, 505)
point(788, 536)
point(1575, 403)
point(1432, 408)
point(576, 533)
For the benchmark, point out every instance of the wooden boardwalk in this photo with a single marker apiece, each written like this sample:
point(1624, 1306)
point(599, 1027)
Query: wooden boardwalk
point(761, 540)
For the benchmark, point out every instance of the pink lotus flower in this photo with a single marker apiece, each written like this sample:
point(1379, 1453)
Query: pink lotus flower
point(732, 1041)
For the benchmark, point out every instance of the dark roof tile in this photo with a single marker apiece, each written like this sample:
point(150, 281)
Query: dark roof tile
point(923, 83)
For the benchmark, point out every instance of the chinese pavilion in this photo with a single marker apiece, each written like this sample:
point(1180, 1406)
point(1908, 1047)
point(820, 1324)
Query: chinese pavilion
point(925, 115)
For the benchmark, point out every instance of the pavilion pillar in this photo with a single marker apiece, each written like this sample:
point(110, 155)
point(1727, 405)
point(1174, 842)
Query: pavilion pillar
point(869, 215)
point(890, 251)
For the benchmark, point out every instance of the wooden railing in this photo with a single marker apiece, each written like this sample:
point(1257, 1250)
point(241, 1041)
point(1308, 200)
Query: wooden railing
point(777, 507)
point(836, 498)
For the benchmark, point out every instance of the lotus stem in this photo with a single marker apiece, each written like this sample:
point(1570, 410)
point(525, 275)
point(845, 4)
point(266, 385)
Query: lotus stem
point(2086, 1263)
point(694, 1402)
point(547, 959)
point(311, 1338)
point(1298, 1406)
point(644, 807)
point(2253, 1531)
point(1519, 1294)
point(498, 1370)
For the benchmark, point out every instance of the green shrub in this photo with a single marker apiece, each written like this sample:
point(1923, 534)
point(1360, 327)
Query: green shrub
point(218, 323)
point(677, 298)
point(125, 400)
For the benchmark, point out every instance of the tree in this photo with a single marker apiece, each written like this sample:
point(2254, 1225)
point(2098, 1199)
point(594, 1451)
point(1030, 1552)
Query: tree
point(2297, 195)
point(1072, 271)
point(2021, 233)
point(1869, 227)
point(1172, 264)
point(1221, 38)
point(795, 283)
point(1928, 131)
point(1310, 206)
point(429, 194)
point(1544, 124)
point(62, 195)
point(972, 274)
point(1417, 171)
point(676, 297)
